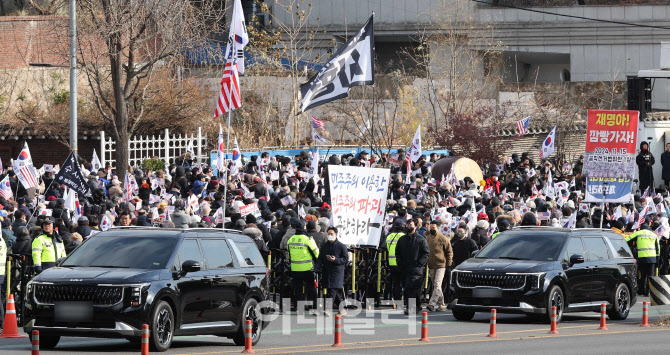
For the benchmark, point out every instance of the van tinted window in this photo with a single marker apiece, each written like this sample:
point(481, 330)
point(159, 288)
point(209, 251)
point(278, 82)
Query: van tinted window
point(217, 254)
point(574, 248)
point(596, 248)
point(189, 251)
point(619, 245)
point(250, 254)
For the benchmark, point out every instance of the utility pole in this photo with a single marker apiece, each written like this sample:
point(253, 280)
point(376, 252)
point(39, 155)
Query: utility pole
point(73, 76)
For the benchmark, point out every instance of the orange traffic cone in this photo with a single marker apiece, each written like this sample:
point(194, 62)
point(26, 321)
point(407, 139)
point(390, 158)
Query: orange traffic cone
point(10, 329)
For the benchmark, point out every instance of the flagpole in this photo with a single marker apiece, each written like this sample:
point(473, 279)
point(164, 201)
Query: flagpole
point(225, 173)
point(230, 112)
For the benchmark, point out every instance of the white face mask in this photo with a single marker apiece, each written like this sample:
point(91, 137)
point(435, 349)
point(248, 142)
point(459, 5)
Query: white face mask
point(331, 238)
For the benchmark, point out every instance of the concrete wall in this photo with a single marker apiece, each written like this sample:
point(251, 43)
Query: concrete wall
point(598, 51)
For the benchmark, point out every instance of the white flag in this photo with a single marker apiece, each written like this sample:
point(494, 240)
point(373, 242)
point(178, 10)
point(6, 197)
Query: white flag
point(237, 157)
point(220, 158)
point(617, 213)
point(314, 169)
point(237, 38)
point(301, 212)
point(189, 148)
point(414, 151)
point(571, 222)
point(548, 145)
point(95, 163)
point(25, 158)
point(106, 223)
point(316, 137)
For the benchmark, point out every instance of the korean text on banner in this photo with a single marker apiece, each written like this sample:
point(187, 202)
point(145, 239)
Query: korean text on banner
point(358, 197)
point(250, 209)
point(611, 139)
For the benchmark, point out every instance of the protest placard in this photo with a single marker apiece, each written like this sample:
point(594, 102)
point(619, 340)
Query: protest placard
point(358, 198)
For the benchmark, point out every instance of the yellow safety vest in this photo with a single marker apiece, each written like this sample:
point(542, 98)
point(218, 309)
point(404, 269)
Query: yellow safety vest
point(647, 243)
point(495, 235)
point(301, 248)
point(391, 242)
point(46, 250)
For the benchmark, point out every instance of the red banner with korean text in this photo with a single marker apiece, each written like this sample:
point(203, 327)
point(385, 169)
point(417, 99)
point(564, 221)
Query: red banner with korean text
point(609, 160)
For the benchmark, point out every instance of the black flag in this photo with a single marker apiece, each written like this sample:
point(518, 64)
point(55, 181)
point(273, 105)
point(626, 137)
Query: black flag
point(70, 176)
point(352, 65)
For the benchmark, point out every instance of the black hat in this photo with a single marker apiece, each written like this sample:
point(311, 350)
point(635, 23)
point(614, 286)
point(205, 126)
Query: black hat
point(47, 220)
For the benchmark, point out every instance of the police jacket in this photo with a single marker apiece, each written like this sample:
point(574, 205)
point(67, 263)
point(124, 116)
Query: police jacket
point(47, 249)
point(302, 251)
point(648, 246)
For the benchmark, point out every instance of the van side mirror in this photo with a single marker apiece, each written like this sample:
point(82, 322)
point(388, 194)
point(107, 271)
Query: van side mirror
point(190, 266)
point(576, 259)
point(474, 253)
point(186, 267)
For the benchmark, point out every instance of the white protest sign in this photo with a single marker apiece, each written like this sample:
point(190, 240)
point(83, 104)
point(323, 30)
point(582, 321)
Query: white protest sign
point(251, 208)
point(358, 197)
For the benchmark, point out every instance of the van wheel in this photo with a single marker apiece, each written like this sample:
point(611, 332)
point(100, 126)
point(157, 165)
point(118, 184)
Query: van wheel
point(621, 305)
point(46, 341)
point(250, 312)
point(162, 327)
point(555, 299)
point(463, 315)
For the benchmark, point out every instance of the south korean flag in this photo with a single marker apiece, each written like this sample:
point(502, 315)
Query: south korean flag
point(352, 65)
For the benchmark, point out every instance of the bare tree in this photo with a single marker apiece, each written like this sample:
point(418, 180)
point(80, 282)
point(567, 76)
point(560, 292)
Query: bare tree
point(123, 44)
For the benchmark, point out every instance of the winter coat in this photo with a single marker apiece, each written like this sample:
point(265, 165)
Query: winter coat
point(332, 272)
point(645, 162)
point(257, 236)
point(23, 245)
point(463, 249)
point(143, 221)
point(441, 254)
point(84, 231)
point(71, 246)
point(412, 253)
point(665, 162)
point(180, 219)
point(480, 236)
point(319, 237)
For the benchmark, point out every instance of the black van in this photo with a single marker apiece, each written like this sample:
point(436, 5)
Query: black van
point(530, 269)
point(178, 281)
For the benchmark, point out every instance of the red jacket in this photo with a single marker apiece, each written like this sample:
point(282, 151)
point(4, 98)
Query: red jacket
point(495, 185)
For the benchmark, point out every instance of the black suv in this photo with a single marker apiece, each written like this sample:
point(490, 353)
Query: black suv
point(530, 269)
point(179, 282)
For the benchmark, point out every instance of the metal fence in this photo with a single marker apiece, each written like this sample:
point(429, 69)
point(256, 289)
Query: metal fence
point(167, 147)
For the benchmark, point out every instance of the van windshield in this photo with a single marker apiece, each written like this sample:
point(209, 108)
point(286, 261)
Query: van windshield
point(524, 246)
point(122, 252)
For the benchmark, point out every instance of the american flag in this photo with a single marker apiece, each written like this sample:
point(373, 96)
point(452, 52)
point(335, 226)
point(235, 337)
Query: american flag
point(229, 98)
point(6, 188)
point(317, 123)
point(522, 125)
point(27, 176)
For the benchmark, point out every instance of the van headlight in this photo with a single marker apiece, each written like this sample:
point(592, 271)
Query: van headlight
point(536, 281)
point(138, 294)
point(28, 294)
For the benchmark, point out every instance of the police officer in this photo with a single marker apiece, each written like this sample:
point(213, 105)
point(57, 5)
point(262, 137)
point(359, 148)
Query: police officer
point(648, 249)
point(303, 253)
point(397, 231)
point(47, 247)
